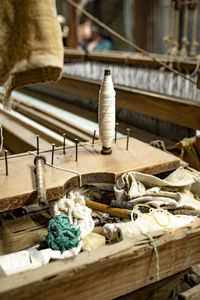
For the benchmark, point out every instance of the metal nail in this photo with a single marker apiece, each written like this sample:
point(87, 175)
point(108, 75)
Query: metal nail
point(6, 161)
point(93, 138)
point(116, 129)
point(52, 154)
point(38, 144)
point(128, 135)
point(76, 141)
point(64, 136)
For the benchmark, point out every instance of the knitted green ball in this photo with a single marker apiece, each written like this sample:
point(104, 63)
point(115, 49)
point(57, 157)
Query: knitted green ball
point(62, 235)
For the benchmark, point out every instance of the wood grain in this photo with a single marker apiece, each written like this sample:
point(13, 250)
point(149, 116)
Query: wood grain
point(191, 294)
point(117, 212)
point(179, 111)
point(19, 188)
point(125, 58)
point(109, 271)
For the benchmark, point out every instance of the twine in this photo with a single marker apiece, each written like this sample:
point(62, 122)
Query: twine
point(62, 169)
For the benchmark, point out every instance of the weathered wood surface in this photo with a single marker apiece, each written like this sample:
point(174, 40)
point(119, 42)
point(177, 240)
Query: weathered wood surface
point(164, 289)
point(109, 271)
point(191, 294)
point(23, 232)
point(19, 188)
point(19, 133)
point(169, 108)
point(132, 58)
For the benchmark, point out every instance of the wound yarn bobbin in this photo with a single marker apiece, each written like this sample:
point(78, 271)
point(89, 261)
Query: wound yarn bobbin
point(106, 113)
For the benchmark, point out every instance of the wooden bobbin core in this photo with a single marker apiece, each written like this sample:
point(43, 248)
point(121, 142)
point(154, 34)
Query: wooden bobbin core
point(106, 150)
point(107, 72)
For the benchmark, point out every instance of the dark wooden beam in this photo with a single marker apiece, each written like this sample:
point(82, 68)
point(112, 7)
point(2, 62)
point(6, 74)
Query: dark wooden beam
point(129, 58)
point(72, 23)
point(179, 111)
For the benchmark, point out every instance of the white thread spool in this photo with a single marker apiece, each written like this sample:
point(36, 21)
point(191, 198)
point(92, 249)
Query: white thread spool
point(106, 113)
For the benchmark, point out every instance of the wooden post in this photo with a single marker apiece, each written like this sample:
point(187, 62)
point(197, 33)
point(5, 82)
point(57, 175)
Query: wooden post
point(72, 23)
point(198, 81)
point(144, 24)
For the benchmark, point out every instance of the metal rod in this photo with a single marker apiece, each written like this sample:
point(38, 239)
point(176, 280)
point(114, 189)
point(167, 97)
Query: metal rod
point(64, 136)
point(52, 154)
point(6, 161)
point(128, 135)
point(38, 144)
point(39, 162)
point(93, 138)
point(116, 129)
point(76, 141)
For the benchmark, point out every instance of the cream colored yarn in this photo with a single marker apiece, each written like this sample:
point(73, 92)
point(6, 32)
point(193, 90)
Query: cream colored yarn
point(106, 111)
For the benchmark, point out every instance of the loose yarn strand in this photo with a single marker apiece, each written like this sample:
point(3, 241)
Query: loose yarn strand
point(156, 252)
point(119, 36)
point(1, 138)
point(62, 169)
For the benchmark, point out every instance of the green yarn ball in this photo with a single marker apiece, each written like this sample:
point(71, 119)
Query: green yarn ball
point(61, 234)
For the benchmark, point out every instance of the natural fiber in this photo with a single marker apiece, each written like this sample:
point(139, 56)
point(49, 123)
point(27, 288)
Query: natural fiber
point(31, 48)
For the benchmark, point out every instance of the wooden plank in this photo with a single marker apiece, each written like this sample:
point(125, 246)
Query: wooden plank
point(191, 294)
point(123, 57)
point(72, 24)
point(19, 188)
point(91, 115)
point(23, 232)
point(20, 136)
point(54, 122)
point(109, 271)
point(159, 290)
point(173, 109)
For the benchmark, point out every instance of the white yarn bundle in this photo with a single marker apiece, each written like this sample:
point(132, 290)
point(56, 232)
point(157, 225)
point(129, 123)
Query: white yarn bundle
point(75, 208)
point(157, 219)
point(106, 112)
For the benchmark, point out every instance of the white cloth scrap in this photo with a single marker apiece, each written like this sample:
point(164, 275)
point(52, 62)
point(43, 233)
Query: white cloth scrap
point(181, 189)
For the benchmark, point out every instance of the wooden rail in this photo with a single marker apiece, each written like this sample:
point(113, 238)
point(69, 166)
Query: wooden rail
point(132, 58)
point(118, 269)
point(173, 109)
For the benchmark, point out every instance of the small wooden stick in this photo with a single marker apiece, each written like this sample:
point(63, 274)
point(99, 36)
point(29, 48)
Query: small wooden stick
point(117, 212)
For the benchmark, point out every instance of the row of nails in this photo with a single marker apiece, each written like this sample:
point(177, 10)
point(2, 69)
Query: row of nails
point(76, 142)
